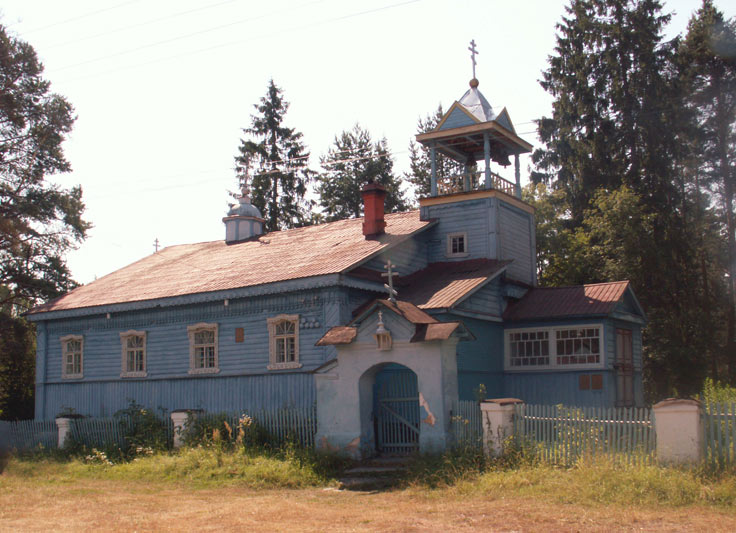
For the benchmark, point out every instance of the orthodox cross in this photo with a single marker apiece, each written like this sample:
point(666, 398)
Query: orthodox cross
point(155, 245)
point(390, 285)
point(473, 53)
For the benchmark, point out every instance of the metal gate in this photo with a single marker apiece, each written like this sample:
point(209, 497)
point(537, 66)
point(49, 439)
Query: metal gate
point(396, 408)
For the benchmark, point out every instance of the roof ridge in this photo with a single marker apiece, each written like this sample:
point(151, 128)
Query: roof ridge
point(581, 285)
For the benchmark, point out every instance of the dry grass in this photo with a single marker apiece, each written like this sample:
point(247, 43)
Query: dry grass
point(108, 505)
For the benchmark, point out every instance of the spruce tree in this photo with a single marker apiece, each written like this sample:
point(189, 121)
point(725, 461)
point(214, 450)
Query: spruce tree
point(352, 161)
point(277, 164)
point(708, 58)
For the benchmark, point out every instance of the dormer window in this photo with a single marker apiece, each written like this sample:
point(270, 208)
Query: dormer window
point(457, 245)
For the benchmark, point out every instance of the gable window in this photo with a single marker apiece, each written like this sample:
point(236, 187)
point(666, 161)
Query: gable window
point(283, 334)
point(203, 349)
point(134, 354)
point(554, 348)
point(457, 245)
point(72, 356)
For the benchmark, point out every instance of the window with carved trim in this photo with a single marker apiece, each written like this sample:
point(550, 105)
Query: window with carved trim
point(134, 354)
point(72, 356)
point(203, 358)
point(283, 334)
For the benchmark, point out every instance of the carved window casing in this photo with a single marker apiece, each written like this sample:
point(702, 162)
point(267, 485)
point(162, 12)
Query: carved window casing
point(283, 335)
point(72, 357)
point(203, 356)
point(133, 344)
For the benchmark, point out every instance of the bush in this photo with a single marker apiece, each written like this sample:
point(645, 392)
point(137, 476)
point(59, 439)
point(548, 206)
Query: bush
point(143, 430)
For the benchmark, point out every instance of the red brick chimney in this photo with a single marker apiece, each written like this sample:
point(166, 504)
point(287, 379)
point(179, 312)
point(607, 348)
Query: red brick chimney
point(373, 197)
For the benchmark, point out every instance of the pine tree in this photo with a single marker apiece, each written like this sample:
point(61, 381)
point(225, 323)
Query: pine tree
point(420, 163)
point(352, 161)
point(277, 164)
point(39, 220)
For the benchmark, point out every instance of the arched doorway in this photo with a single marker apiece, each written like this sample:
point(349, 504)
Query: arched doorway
point(395, 409)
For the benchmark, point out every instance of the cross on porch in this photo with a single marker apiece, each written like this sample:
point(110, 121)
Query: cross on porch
point(390, 285)
point(155, 245)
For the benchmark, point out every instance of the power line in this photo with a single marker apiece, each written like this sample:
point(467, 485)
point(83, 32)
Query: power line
point(79, 17)
point(133, 26)
point(240, 41)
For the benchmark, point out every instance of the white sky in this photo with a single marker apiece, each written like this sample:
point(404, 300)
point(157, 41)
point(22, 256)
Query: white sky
point(162, 89)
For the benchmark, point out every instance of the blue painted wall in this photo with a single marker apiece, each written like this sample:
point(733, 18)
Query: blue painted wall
point(457, 119)
point(167, 356)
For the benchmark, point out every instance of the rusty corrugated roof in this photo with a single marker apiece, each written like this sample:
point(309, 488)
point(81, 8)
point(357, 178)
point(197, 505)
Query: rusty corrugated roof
point(439, 332)
point(214, 266)
point(442, 285)
point(338, 335)
point(559, 302)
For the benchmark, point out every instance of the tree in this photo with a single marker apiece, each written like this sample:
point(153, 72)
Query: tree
point(420, 164)
point(275, 160)
point(39, 221)
point(619, 164)
point(708, 56)
point(352, 161)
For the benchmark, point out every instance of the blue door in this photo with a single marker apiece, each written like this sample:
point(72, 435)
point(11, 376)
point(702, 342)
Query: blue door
point(396, 410)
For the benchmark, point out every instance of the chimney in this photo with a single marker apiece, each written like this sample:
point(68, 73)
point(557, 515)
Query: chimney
point(373, 196)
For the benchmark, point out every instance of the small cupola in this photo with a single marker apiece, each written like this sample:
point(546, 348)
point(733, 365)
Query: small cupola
point(243, 220)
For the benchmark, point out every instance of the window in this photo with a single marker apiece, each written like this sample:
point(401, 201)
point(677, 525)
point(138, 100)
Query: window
point(203, 349)
point(457, 245)
point(134, 354)
point(72, 356)
point(554, 348)
point(283, 333)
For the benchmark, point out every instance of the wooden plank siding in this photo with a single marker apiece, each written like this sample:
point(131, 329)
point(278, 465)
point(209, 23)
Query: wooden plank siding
point(517, 243)
point(477, 218)
point(486, 300)
point(101, 391)
point(211, 393)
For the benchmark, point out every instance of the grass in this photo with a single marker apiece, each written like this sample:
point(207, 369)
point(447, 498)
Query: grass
point(211, 488)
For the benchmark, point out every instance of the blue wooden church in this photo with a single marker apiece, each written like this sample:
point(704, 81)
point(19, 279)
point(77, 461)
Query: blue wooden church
point(392, 316)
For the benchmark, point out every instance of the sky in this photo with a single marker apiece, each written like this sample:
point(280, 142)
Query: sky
point(162, 90)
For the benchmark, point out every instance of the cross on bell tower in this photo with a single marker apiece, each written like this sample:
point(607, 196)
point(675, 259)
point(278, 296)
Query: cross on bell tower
point(473, 53)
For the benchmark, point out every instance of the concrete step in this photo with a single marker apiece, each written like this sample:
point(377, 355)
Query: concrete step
point(366, 483)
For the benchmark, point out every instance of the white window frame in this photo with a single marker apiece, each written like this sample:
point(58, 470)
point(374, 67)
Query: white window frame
point(450, 237)
point(552, 339)
point(124, 372)
point(64, 340)
point(196, 328)
point(273, 363)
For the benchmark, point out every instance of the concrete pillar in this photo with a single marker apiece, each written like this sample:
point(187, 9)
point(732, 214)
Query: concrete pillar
point(65, 428)
point(179, 419)
point(497, 418)
point(680, 431)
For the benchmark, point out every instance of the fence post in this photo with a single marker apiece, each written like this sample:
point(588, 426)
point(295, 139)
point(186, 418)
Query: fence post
point(179, 419)
point(65, 426)
point(498, 423)
point(679, 429)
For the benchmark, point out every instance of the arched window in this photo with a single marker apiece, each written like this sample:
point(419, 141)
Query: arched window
point(283, 334)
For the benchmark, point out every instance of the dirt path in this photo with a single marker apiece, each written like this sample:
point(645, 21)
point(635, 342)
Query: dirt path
point(127, 506)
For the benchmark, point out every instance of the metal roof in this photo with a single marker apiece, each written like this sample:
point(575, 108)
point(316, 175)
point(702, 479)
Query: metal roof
point(559, 302)
point(474, 101)
point(214, 266)
point(444, 284)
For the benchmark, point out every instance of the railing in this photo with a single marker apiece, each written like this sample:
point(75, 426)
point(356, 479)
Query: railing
point(719, 421)
point(472, 181)
point(466, 424)
point(563, 435)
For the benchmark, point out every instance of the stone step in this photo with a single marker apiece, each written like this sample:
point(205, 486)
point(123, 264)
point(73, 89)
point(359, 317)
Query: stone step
point(370, 469)
point(365, 483)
